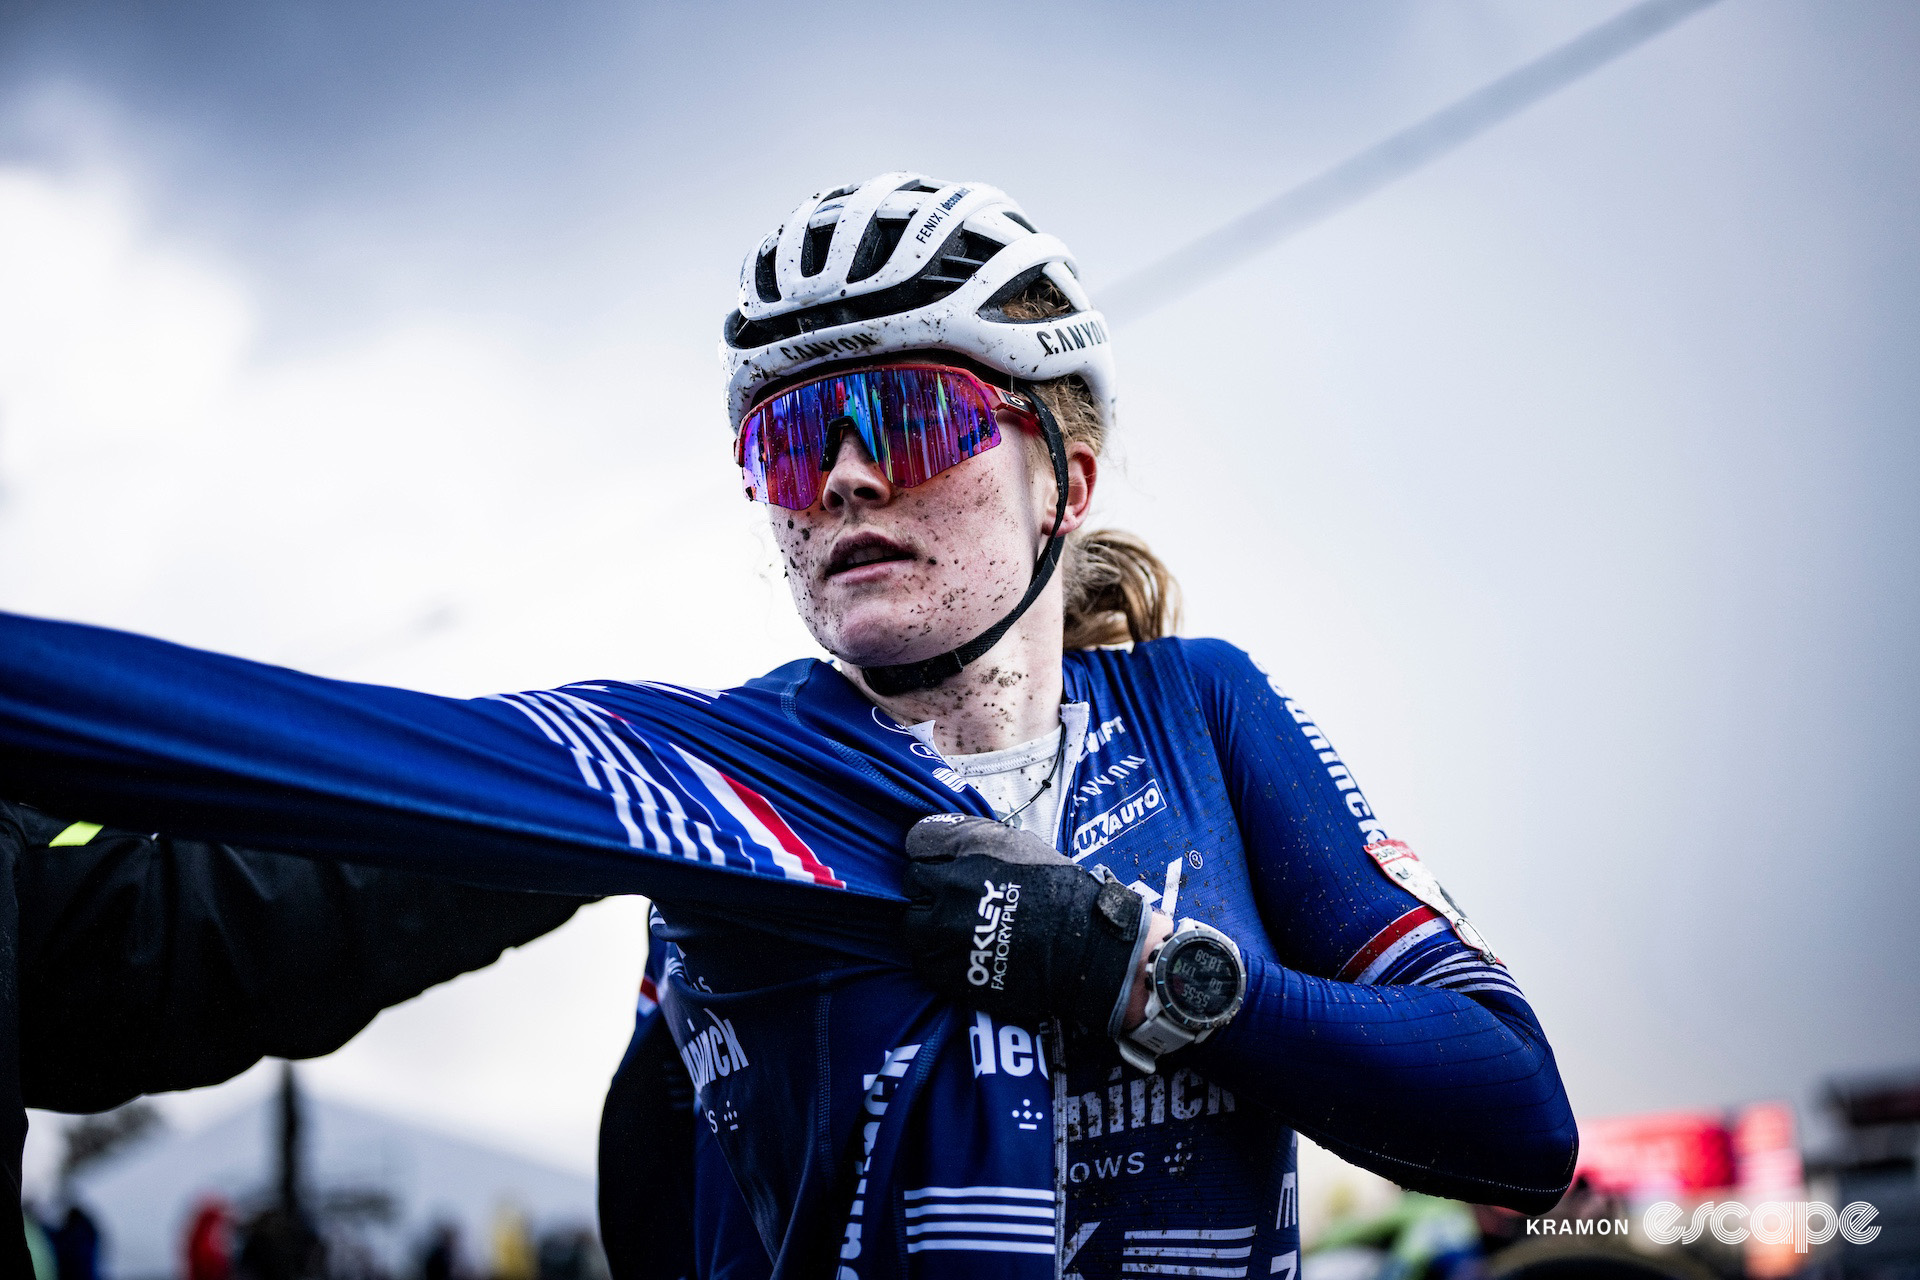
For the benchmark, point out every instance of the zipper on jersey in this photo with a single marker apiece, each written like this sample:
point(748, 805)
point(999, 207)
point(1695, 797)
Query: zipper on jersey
point(1054, 1037)
point(1054, 1033)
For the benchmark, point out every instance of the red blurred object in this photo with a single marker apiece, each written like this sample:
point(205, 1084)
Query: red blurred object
point(1647, 1156)
point(1768, 1152)
point(210, 1241)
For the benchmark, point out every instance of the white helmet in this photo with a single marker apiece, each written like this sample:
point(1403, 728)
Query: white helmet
point(902, 262)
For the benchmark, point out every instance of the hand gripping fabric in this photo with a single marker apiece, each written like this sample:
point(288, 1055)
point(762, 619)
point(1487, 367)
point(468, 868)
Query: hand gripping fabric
point(998, 921)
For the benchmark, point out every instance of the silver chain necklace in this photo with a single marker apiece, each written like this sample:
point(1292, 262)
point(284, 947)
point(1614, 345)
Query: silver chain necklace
point(1046, 784)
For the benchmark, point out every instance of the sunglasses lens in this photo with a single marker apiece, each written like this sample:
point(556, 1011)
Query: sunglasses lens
point(780, 456)
point(934, 419)
point(914, 421)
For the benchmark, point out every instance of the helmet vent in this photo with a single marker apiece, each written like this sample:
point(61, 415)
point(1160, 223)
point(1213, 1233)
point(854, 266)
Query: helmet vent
point(956, 260)
point(765, 283)
point(876, 246)
point(961, 256)
point(1028, 298)
point(813, 249)
point(1019, 221)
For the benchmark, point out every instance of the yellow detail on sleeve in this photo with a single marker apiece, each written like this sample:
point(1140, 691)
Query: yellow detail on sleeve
point(78, 833)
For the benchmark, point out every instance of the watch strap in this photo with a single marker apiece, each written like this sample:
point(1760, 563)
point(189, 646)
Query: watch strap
point(1156, 1036)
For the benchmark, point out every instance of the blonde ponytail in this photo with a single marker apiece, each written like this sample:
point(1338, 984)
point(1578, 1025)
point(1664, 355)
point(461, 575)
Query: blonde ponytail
point(1117, 591)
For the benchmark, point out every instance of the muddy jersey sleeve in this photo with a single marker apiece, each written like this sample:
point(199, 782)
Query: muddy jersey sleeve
point(585, 789)
point(1389, 1032)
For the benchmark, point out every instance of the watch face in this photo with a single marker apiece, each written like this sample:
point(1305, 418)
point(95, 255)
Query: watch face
point(1202, 979)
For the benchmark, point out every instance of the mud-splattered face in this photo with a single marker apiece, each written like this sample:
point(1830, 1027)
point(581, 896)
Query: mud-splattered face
point(884, 575)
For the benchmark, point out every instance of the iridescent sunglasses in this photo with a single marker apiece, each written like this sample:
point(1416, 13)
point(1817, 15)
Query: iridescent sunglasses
point(914, 420)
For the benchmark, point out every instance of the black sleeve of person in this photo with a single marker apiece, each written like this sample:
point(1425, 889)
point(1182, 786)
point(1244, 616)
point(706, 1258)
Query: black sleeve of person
point(646, 1183)
point(149, 964)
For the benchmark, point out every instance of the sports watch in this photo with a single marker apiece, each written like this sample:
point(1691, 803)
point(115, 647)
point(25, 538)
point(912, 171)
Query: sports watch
point(1198, 982)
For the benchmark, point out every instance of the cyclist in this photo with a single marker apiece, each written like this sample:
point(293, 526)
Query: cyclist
point(1153, 926)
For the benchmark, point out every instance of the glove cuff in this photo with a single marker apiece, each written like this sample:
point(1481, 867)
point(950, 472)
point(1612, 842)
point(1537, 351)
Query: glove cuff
point(1122, 925)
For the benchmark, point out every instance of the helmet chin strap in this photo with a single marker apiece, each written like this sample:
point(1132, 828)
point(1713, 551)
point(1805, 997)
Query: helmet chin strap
point(907, 677)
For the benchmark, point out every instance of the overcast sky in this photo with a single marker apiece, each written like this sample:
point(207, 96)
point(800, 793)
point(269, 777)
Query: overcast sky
point(1571, 481)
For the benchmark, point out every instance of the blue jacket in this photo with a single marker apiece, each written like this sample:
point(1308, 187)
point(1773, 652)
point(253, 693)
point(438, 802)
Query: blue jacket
point(862, 1118)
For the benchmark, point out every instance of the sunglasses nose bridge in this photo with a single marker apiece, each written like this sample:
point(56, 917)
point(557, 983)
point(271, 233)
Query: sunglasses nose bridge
point(853, 418)
point(857, 477)
point(832, 437)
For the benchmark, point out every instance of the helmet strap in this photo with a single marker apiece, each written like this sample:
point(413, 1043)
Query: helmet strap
point(908, 677)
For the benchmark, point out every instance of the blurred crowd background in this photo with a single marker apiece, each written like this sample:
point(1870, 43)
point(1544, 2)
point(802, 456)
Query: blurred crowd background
point(1570, 479)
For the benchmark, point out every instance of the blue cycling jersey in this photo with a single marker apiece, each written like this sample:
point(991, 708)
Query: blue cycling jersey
point(866, 1123)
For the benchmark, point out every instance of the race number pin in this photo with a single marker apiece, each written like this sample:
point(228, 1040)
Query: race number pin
point(1404, 868)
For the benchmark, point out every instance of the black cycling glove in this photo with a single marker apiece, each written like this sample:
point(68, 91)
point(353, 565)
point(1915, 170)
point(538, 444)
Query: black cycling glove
point(1000, 922)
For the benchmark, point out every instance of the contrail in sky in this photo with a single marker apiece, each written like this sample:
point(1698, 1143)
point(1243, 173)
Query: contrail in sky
point(1392, 158)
